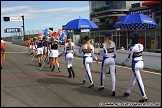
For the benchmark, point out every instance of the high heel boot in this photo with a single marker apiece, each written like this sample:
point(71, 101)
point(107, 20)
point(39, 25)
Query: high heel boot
point(72, 71)
point(59, 70)
point(113, 93)
point(143, 100)
point(69, 71)
point(126, 94)
point(92, 85)
point(53, 68)
point(101, 89)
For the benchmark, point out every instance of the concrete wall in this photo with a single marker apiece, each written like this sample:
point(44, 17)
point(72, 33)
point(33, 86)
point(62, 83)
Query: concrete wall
point(151, 60)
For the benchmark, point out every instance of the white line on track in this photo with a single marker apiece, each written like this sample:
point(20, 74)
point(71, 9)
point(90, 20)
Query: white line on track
point(98, 62)
point(130, 68)
point(16, 52)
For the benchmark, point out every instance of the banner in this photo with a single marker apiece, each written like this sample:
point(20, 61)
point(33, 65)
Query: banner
point(15, 18)
point(12, 30)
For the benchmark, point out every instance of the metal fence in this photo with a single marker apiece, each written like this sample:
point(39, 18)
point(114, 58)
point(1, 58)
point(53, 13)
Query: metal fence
point(150, 38)
point(29, 33)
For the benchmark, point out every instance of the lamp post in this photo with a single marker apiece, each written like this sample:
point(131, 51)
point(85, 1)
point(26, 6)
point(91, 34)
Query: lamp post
point(37, 31)
point(118, 29)
point(33, 31)
point(23, 28)
point(29, 33)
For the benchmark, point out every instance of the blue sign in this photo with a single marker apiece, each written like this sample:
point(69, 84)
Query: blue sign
point(12, 30)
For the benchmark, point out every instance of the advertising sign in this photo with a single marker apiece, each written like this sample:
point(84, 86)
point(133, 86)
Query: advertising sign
point(15, 18)
point(148, 11)
point(12, 30)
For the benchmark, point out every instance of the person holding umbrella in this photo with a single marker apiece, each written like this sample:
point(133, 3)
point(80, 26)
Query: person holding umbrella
point(109, 55)
point(88, 51)
point(137, 65)
point(69, 51)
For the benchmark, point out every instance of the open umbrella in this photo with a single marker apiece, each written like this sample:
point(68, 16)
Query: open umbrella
point(135, 21)
point(120, 20)
point(80, 24)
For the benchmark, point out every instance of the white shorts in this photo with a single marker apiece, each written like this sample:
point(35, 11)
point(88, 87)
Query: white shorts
point(53, 53)
point(40, 50)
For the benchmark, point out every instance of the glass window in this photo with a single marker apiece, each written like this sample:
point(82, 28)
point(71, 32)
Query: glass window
point(110, 4)
point(123, 4)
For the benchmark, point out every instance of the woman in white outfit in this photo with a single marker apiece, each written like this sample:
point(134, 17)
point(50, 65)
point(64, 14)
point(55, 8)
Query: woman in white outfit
point(88, 51)
point(135, 54)
point(33, 46)
point(69, 51)
point(109, 55)
point(53, 52)
point(45, 48)
point(40, 50)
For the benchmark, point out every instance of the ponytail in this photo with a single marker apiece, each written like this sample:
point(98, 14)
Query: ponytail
point(69, 43)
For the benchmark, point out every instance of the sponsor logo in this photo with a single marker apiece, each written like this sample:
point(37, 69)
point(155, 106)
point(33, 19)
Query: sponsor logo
point(147, 21)
point(84, 26)
point(12, 30)
point(15, 18)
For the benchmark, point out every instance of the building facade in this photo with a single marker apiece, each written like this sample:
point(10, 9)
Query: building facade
point(106, 13)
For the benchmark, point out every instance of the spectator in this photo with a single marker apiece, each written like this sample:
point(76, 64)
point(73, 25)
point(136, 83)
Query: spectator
point(2, 52)
point(2, 41)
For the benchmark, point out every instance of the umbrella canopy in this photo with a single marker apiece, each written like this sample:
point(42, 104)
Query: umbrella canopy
point(80, 24)
point(135, 21)
point(120, 20)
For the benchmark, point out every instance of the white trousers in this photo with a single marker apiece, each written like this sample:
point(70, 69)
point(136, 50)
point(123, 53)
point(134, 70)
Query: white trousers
point(87, 61)
point(108, 62)
point(69, 59)
point(136, 76)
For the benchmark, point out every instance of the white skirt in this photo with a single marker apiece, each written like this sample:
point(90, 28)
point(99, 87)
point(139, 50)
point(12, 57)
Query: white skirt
point(33, 47)
point(53, 53)
point(45, 50)
point(40, 50)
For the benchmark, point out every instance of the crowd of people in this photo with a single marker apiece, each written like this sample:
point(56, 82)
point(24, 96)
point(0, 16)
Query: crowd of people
point(47, 47)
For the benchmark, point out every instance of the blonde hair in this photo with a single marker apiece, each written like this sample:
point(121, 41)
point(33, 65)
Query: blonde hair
point(107, 42)
point(69, 43)
point(52, 39)
point(46, 38)
point(31, 39)
point(88, 45)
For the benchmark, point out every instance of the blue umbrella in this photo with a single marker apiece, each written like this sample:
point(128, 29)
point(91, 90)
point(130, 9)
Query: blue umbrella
point(120, 20)
point(80, 24)
point(135, 21)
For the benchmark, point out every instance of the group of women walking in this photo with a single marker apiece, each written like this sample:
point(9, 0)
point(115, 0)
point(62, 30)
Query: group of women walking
point(49, 49)
point(45, 47)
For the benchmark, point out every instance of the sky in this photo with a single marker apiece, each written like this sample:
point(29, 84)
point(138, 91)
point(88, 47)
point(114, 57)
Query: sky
point(39, 15)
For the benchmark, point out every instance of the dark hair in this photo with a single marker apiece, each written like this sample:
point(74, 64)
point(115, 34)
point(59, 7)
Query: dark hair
point(86, 38)
point(68, 36)
point(107, 33)
point(135, 39)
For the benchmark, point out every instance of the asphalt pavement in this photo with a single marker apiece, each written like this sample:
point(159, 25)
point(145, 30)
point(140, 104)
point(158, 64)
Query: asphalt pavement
point(23, 84)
